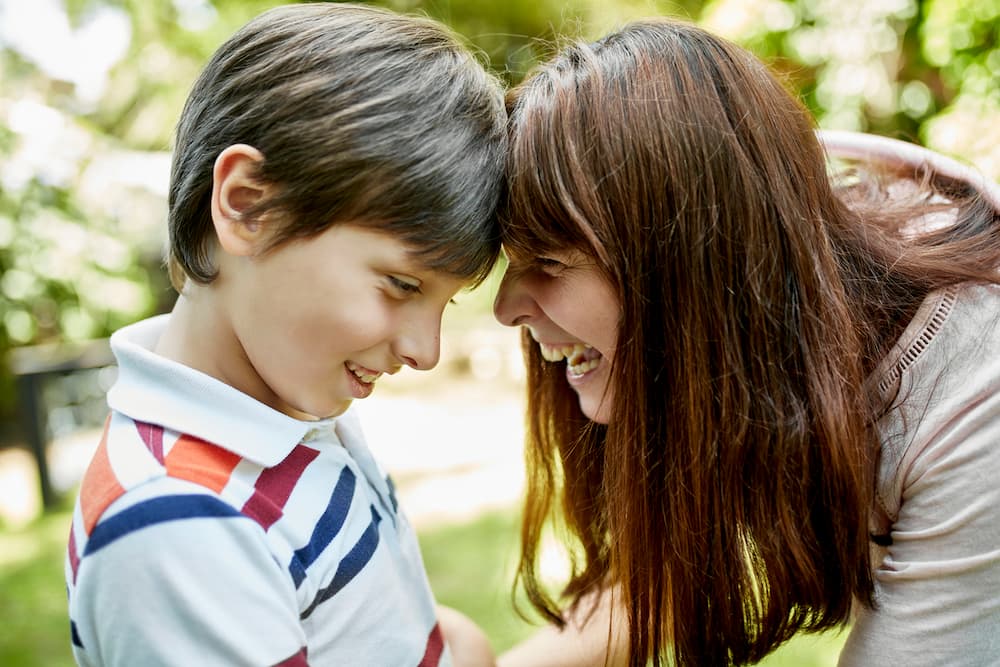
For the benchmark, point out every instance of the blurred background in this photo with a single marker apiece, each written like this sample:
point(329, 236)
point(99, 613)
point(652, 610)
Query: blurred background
point(89, 93)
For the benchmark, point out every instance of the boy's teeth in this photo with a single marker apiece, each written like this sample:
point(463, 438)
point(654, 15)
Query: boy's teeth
point(362, 375)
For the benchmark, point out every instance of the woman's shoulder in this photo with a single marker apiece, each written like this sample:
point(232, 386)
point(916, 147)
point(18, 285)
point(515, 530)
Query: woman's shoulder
point(950, 325)
point(937, 496)
point(943, 381)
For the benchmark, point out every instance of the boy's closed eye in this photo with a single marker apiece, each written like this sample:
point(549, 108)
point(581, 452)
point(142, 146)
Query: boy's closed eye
point(403, 287)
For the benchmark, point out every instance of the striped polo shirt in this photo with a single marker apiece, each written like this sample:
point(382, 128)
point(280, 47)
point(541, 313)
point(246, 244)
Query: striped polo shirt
point(213, 530)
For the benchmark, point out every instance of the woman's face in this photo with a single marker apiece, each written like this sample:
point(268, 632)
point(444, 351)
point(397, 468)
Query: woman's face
point(572, 313)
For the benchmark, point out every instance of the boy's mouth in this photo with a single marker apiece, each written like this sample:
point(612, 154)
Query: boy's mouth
point(363, 374)
point(580, 358)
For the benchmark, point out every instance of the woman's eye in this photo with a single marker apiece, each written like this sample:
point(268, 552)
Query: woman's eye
point(404, 287)
point(549, 265)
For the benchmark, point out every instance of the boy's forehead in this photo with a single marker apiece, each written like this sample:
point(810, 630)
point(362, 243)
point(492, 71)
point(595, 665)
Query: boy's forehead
point(411, 255)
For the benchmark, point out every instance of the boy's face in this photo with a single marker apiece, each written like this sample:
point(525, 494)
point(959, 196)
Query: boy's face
point(318, 320)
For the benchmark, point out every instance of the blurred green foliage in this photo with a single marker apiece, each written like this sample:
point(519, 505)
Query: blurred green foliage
point(81, 228)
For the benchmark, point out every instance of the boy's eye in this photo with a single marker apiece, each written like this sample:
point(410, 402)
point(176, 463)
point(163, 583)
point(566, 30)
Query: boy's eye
point(403, 286)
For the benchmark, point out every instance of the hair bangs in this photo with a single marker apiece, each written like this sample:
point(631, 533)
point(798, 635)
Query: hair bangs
point(542, 210)
point(467, 251)
point(545, 227)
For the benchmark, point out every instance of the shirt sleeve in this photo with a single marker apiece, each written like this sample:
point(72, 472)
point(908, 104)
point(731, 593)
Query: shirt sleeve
point(184, 579)
point(938, 583)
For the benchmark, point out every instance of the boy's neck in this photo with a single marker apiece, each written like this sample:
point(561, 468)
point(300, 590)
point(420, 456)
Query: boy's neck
point(199, 335)
point(194, 336)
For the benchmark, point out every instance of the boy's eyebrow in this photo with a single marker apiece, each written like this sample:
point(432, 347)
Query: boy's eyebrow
point(417, 264)
point(415, 257)
point(408, 261)
point(421, 266)
point(423, 270)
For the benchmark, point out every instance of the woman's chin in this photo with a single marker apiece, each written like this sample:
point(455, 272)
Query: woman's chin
point(596, 409)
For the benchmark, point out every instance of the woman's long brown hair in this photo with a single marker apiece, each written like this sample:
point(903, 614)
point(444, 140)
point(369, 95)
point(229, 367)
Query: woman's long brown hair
point(729, 496)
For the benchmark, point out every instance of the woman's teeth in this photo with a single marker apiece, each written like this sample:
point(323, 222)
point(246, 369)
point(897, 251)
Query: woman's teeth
point(580, 358)
point(362, 373)
point(583, 367)
point(560, 352)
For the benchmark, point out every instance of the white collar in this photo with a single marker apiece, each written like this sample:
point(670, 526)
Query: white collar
point(152, 388)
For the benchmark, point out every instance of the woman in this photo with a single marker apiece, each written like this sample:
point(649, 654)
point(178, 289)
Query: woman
point(780, 403)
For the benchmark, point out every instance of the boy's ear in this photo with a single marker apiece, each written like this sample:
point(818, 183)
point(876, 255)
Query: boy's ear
point(234, 191)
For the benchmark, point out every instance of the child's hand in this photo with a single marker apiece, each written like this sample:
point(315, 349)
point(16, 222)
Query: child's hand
point(467, 642)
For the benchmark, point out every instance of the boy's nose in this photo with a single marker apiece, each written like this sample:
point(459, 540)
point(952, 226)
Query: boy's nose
point(513, 305)
point(420, 347)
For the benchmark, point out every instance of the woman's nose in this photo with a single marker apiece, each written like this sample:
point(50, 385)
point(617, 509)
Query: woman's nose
point(514, 304)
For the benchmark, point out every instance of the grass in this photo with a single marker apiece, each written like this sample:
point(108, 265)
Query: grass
point(35, 629)
point(470, 566)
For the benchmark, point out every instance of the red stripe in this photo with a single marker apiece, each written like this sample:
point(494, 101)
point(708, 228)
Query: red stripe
point(152, 435)
point(74, 558)
point(275, 485)
point(435, 647)
point(297, 660)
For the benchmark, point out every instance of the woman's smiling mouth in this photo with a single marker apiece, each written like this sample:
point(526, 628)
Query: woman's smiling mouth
point(580, 357)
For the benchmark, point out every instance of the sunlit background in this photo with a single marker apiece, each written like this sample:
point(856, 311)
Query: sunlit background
point(89, 93)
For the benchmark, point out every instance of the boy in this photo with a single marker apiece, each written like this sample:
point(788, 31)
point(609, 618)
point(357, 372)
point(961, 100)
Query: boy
point(334, 180)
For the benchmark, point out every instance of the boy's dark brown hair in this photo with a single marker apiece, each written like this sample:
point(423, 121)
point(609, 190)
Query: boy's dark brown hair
point(363, 116)
point(729, 495)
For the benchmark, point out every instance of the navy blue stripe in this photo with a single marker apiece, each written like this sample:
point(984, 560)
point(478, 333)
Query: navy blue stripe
point(326, 528)
point(351, 564)
point(74, 635)
point(297, 570)
point(392, 493)
point(154, 511)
